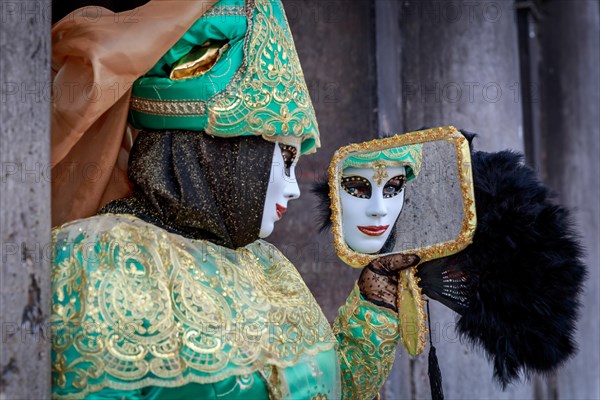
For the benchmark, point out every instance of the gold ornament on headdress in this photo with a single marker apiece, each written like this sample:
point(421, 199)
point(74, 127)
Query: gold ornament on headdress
point(200, 60)
point(381, 173)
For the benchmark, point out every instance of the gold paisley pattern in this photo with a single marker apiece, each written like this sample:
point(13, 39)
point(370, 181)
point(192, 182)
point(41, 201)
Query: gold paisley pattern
point(271, 97)
point(134, 306)
point(368, 336)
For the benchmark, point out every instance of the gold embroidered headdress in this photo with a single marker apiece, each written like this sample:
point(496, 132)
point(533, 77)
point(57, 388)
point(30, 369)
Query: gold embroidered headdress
point(235, 72)
point(410, 156)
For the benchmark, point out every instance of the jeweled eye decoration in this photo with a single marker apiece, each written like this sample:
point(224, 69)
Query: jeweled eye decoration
point(394, 186)
point(357, 186)
point(289, 154)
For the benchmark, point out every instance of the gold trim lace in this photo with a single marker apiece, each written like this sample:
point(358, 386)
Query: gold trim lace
point(136, 306)
point(225, 11)
point(168, 107)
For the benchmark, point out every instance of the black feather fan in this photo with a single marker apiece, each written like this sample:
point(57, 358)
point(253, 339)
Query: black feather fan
point(321, 190)
point(517, 286)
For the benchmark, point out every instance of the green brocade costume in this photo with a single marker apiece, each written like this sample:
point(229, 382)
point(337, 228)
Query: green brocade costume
point(140, 313)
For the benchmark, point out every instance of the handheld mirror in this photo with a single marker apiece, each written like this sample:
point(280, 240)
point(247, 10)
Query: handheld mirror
point(405, 194)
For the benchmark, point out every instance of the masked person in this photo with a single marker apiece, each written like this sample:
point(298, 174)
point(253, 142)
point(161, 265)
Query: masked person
point(169, 292)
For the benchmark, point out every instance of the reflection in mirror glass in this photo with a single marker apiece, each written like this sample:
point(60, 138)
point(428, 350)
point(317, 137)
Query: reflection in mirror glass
point(401, 198)
point(372, 195)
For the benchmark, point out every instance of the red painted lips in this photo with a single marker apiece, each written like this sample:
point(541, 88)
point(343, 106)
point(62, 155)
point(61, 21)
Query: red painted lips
point(280, 210)
point(373, 230)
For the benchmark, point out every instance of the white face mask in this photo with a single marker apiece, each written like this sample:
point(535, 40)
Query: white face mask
point(282, 187)
point(370, 206)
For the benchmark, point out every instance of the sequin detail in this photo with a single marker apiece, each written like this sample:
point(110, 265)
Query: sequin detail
point(166, 107)
point(225, 181)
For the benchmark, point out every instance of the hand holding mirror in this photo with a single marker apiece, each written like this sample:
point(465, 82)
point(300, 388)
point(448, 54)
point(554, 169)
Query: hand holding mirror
point(524, 241)
point(399, 201)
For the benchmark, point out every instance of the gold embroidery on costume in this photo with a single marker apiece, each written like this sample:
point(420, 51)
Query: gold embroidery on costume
point(134, 305)
point(272, 379)
point(368, 336)
point(272, 96)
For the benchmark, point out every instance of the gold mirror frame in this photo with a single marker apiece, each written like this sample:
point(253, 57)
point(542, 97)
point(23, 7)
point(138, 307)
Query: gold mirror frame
point(445, 133)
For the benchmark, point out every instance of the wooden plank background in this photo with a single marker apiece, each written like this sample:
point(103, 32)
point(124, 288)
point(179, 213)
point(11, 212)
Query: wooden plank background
point(24, 199)
point(570, 132)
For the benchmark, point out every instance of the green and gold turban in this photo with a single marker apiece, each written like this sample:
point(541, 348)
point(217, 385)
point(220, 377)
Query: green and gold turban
point(235, 72)
point(408, 156)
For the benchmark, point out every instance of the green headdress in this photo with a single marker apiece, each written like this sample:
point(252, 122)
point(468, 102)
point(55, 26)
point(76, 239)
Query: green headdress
point(408, 156)
point(235, 72)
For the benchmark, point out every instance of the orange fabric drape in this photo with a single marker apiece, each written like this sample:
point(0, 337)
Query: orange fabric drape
point(96, 56)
